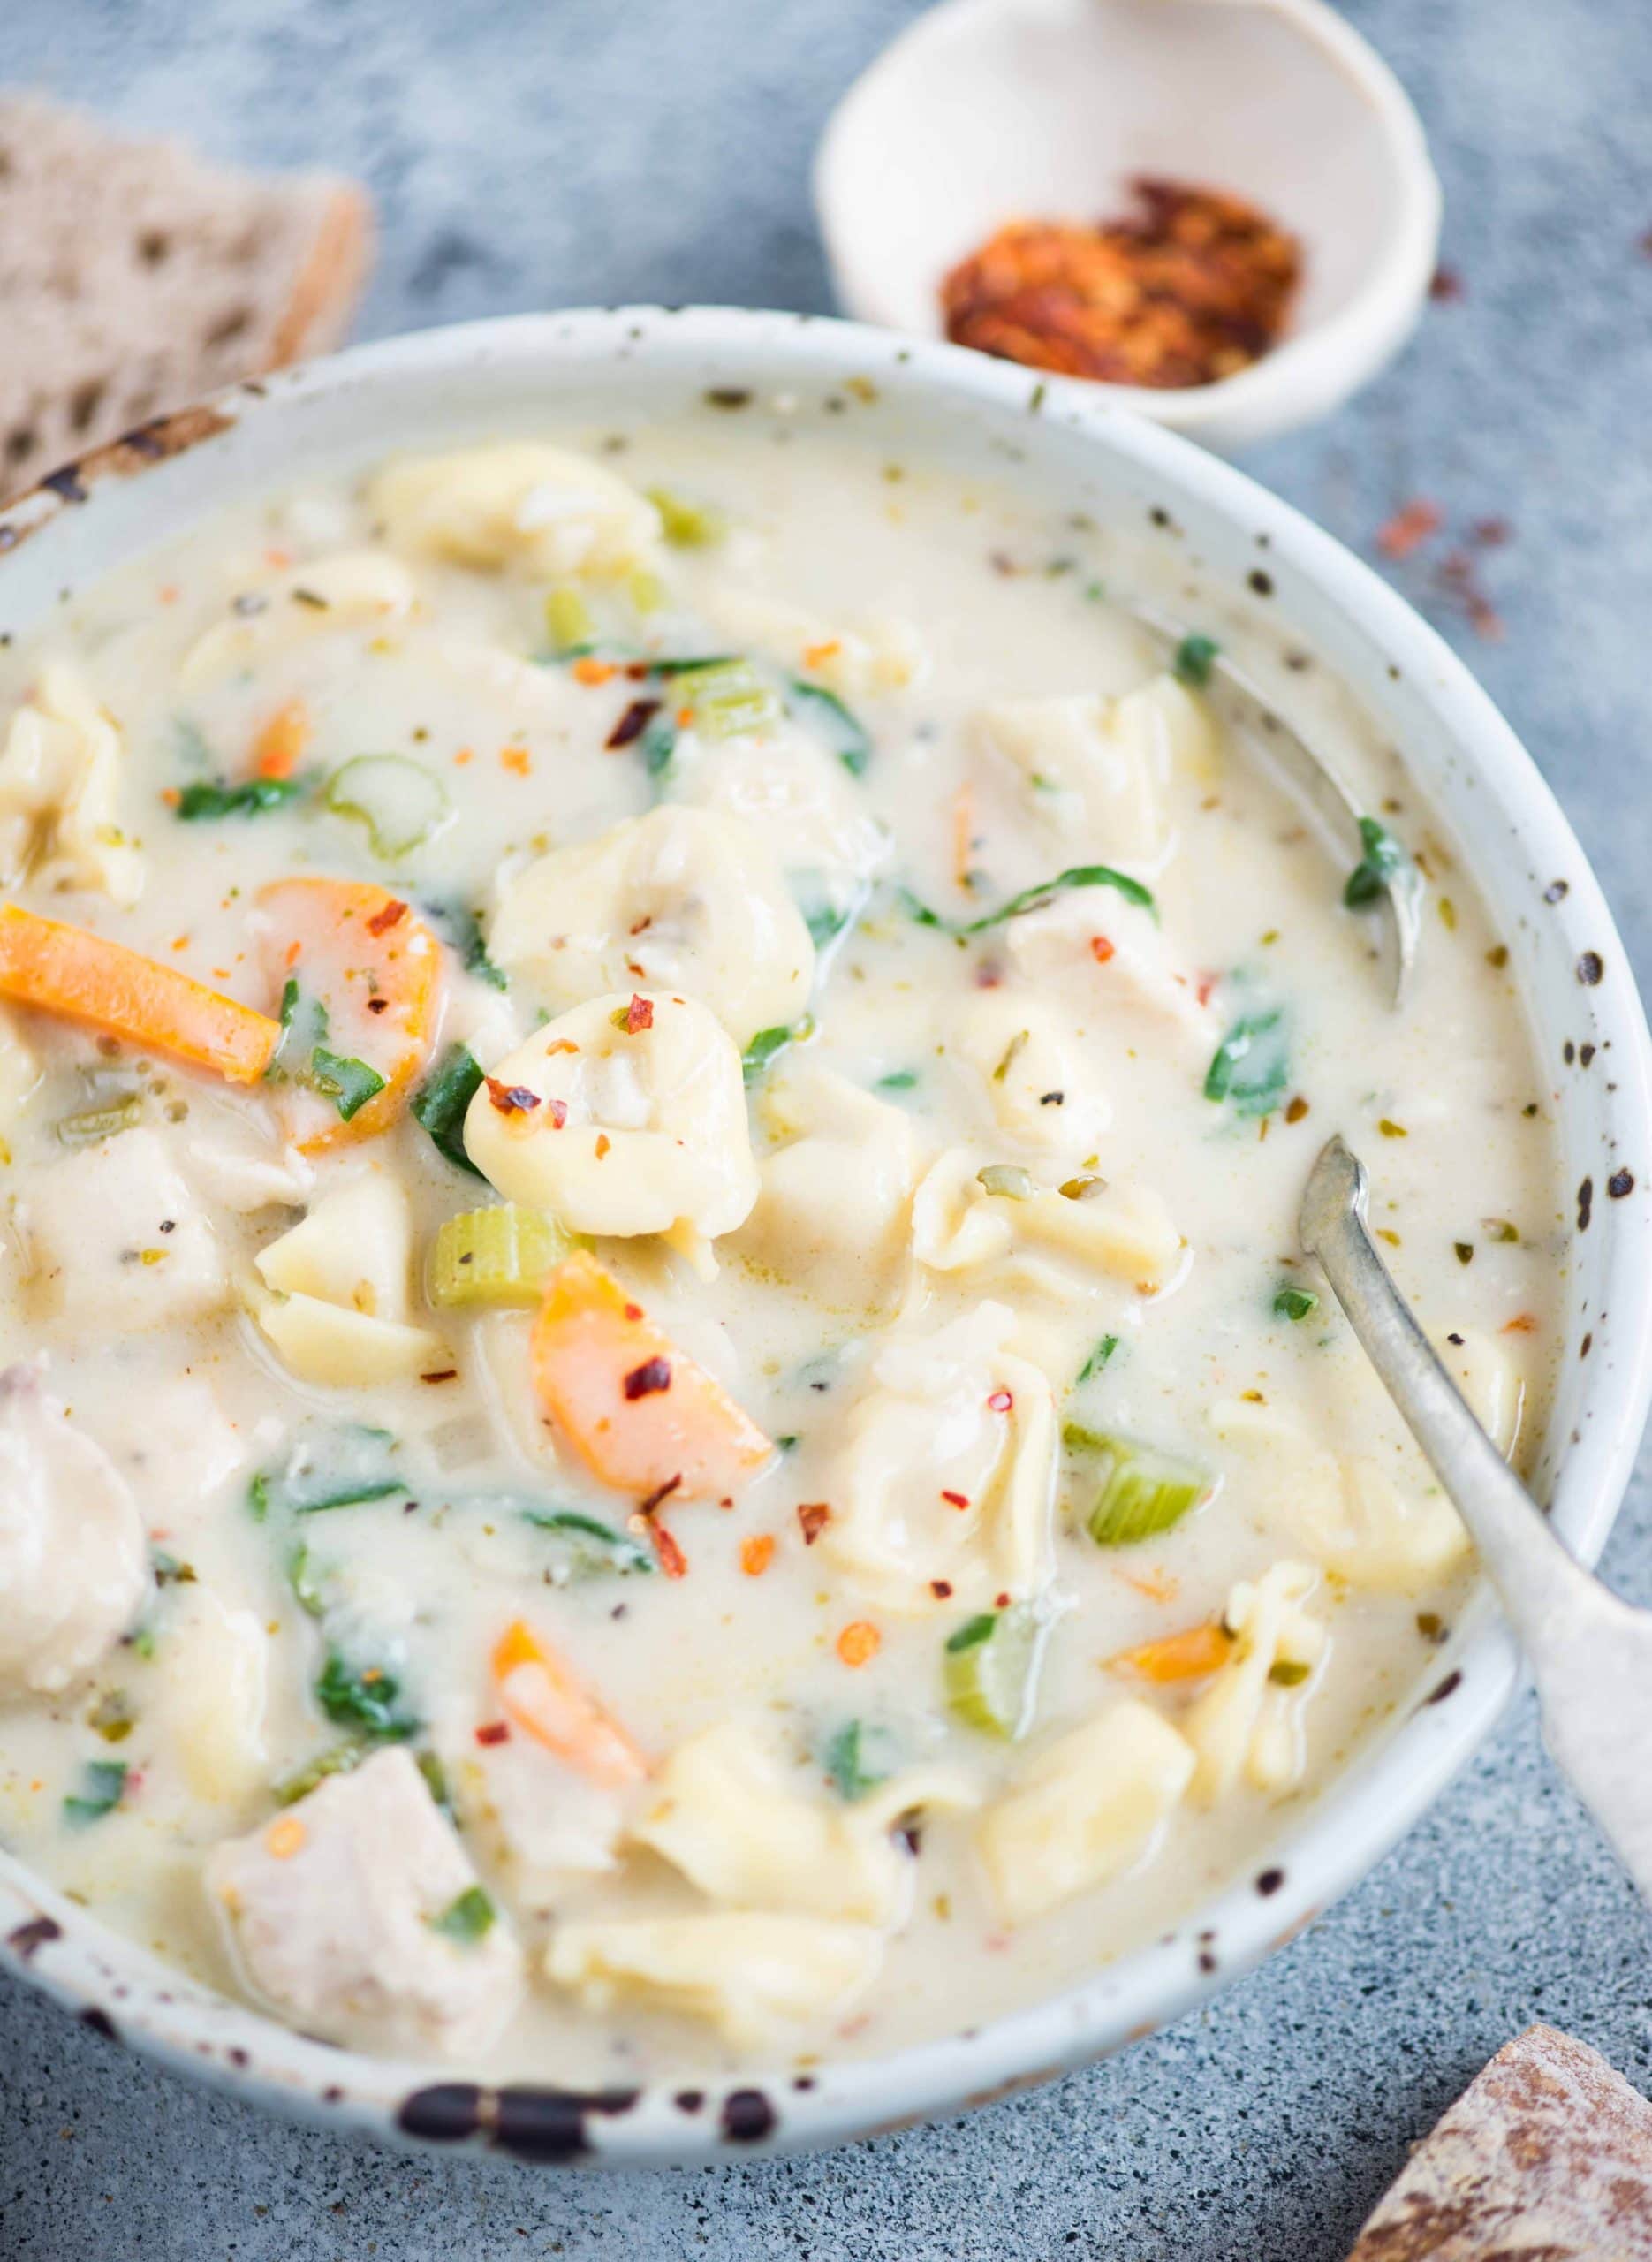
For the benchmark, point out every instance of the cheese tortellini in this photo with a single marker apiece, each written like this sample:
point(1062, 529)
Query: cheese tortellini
point(749, 1974)
point(1082, 1810)
point(941, 1494)
point(616, 1129)
point(1110, 958)
point(1036, 1073)
point(1248, 1723)
point(1099, 770)
point(797, 796)
point(59, 794)
point(970, 1211)
point(682, 900)
point(519, 503)
point(832, 1215)
point(358, 588)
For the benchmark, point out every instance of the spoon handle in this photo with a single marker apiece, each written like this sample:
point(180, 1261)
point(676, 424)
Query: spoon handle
point(1589, 1652)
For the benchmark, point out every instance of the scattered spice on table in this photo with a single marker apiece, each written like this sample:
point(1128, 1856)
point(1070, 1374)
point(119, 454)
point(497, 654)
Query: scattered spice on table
point(1193, 286)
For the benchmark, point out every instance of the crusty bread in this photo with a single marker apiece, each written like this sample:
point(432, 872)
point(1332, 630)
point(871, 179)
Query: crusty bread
point(134, 277)
point(1546, 2155)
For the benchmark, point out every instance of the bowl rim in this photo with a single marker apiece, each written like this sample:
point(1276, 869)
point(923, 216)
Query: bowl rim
point(125, 1993)
point(1310, 370)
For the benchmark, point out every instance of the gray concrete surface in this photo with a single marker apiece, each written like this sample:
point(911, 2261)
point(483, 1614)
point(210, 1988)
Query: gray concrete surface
point(531, 153)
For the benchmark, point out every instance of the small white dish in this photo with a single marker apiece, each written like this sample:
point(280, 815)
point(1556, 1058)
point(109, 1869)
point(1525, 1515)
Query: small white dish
point(988, 111)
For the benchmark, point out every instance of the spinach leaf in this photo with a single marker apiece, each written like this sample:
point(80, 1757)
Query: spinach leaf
point(440, 1106)
point(848, 737)
point(467, 1918)
point(1252, 1064)
point(852, 1767)
point(1295, 1303)
point(592, 1546)
point(250, 797)
point(103, 1786)
point(1194, 657)
point(363, 1697)
point(458, 925)
point(343, 1468)
point(765, 1047)
point(1035, 898)
point(1383, 862)
point(1097, 1359)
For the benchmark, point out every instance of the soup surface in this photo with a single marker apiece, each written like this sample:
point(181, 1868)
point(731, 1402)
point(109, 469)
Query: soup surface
point(659, 1407)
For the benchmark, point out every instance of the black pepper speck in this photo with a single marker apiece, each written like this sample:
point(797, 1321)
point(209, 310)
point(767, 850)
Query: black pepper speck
point(1590, 968)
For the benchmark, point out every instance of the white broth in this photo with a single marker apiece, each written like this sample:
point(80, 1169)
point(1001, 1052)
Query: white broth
point(660, 1410)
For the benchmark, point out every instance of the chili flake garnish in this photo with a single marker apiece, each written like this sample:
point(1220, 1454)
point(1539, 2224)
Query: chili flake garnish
point(603, 1143)
point(592, 672)
point(956, 1500)
point(858, 1644)
point(814, 1516)
point(631, 723)
point(1101, 950)
point(757, 1553)
point(494, 1732)
point(1194, 285)
point(652, 1375)
point(665, 1491)
point(940, 1588)
point(673, 1562)
point(511, 1099)
point(1000, 1402)
point(639, 1015)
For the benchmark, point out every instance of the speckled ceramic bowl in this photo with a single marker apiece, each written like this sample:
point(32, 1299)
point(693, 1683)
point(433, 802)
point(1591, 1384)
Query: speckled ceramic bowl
point(587, 370)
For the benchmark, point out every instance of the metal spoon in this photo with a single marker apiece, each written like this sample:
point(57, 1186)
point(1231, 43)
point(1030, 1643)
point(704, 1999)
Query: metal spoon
point(1590, 1654)
point(1325, 794)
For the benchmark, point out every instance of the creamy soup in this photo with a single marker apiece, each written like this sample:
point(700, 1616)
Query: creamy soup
point(660, 1407)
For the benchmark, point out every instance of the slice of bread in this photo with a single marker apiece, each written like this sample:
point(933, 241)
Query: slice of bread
point(134, 277)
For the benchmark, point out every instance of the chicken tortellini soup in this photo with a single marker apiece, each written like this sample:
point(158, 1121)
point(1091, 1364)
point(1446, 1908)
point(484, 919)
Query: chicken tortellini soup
point(658, 1406)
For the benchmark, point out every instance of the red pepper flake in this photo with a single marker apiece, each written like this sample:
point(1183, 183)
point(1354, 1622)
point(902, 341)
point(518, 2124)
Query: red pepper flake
point(1001, 1402)
point(940, 1588)
point(639, 1015)
point(987, 976)
point(633, 1311)
point(442, 1374)
point(494, 1732)
point(1446, 286)
point(673, 1562)
point(814, 1516)
point(562, 1044)
point(757, 1553)
point(511, 1099)
point(664, 1493)
point(1101, 949)
point(1001, 1602)
point(557, 1111)
point(1202, 988)
point(1522, 1324)
point(378, 1005)
point(383, 920)
point(603, 1143)
point(956, 1500)
point(1409, 527)
point(652, 1375)
point(631, 723)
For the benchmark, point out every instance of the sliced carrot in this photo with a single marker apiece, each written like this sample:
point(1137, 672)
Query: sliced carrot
point(547, 1700)
point(375, 967)
point(640, 1415)
point(1190, 1655)
point(68, 970)
point(279, 746)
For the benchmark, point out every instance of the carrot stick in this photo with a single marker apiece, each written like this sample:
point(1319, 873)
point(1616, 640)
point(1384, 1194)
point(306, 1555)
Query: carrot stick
point(71, 972)
point(546, 1699)
point(640, 1415)
point(279, 746)
point(1196, 1651)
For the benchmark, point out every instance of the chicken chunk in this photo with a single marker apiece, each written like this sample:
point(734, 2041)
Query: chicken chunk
point(120, 1245)
point(73, 1563)
point(358, 1915)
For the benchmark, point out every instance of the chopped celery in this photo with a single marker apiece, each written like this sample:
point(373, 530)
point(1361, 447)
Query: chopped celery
point(727, 697)
point(849, 739)
point(337, 1759)
point(400, 803)
point(687, 526)
point(105, 1122)
point(1139, 1492)
point(568, 618)
point(440, 1103)
point(498, 1256)
point(589, 1546)
point(1008, 1180)
point(990, 1668)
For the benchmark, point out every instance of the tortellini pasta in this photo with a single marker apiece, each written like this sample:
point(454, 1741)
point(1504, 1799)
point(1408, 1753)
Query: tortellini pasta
point(749, 1974)
point(1248, 1723)
point(339, 1279)
point(942, 1495)
point(1109, 958)
point(1099, 770)
point(682, 900)
point(621, 1129)
point(1348, 1512)
point(832, 1214)
point(961, 1219)
point(59, 794)
point(797, 796)
point(724, 1814)
point(517, 503)
point(1082, 1810)
point(358, 588)
point(118, 1243)
point(1034, 1072)
point(73, 1563)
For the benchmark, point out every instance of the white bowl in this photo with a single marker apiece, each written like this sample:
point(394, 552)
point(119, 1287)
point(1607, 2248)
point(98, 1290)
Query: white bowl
point(585, 371)
point(988, 111)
